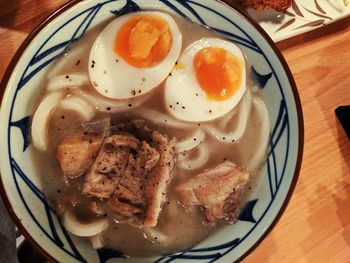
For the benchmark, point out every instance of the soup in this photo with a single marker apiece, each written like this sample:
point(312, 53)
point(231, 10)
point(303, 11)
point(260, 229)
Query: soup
point(205, 140)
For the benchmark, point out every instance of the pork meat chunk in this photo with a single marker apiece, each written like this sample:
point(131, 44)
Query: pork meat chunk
point(130, 188)
point(142, 189)
point(159, 177)
point(147, 158)
point(109, 166)
point(124, 209)
point(130, 192)
point(76, 152)
point(217, 190)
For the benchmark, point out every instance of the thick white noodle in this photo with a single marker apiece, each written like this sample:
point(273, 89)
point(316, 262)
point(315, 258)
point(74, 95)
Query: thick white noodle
point(109, 105)
point(84, 229)
point(234, 130)
point(191, 142)
point(67, 59)
point(223, 122)
point(263, 116)
point(78, 105)
point(41, 116)
point(197, 162)
point(67, 81)
point(163, 119)
point(97, 241)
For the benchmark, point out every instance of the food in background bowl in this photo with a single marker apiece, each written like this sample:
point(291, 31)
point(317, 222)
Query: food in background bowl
point(279, 5)
point(156, 144)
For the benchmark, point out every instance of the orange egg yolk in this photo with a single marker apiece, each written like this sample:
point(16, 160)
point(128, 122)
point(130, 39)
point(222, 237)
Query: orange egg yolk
point(143, 41)
point(218, 72)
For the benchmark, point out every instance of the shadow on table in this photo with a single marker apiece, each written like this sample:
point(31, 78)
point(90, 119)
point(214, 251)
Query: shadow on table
point(331, 196)
point(339, 192)
point(344, 146)
point(24, 17)
point(343, 201)
point(318, 33)
point(8, 14)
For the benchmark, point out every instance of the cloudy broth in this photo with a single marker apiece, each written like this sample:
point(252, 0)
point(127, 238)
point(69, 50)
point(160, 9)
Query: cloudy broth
point(178, 228)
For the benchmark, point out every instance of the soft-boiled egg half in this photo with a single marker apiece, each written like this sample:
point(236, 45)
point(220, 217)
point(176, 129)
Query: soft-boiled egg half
point(134, 54)
point(207, 82)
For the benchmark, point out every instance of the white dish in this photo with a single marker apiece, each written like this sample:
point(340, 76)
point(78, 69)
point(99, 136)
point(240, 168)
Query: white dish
point(301, 17)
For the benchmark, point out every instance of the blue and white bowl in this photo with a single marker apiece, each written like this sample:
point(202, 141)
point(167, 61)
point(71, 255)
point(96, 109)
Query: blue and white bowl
point(20, 185)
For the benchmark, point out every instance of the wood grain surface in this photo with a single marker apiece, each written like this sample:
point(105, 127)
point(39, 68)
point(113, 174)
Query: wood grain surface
point(316, 224)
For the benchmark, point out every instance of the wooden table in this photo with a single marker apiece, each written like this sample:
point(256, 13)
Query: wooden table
point(316, 225)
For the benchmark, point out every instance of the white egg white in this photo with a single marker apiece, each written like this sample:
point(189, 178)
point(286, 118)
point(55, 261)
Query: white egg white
point(115, 78)
point(184, 97)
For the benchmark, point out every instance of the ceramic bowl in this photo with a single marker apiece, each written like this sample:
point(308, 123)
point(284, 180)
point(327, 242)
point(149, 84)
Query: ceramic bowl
point(20, 185)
